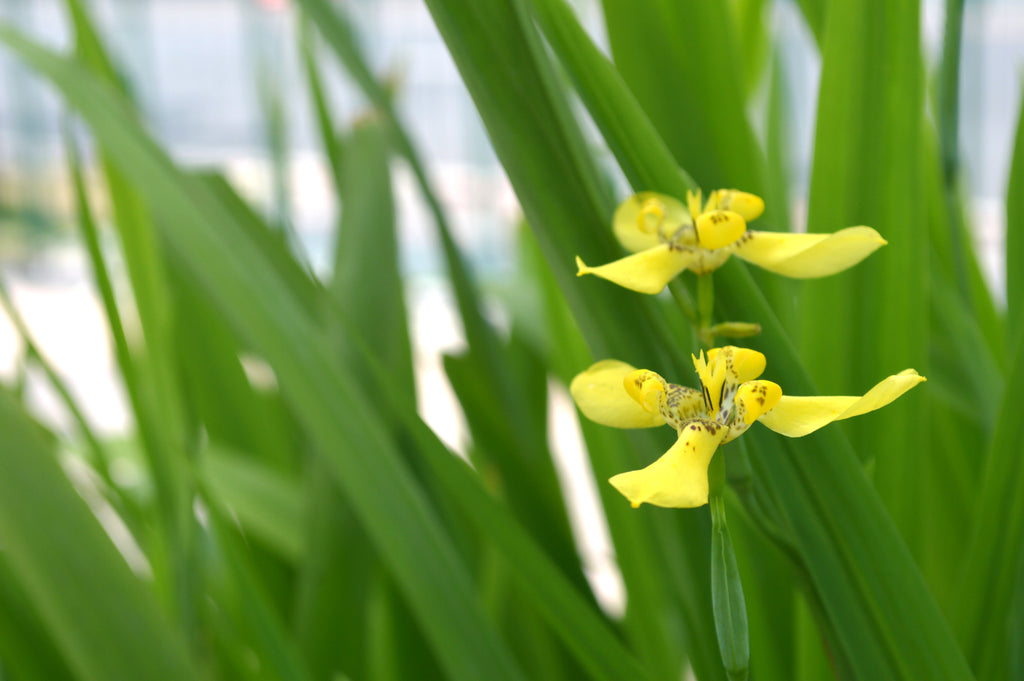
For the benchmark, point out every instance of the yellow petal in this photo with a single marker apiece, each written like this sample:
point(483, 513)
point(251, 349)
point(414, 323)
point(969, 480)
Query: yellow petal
point(601, 396)
point(808, 255)
point(749, 206)
point(646, 388)
point(694, 203)
point(679, 479)
point(754, 398)
point(640, 218)
point(798, 416)
point(743, 364)
point(719, 228)
point(644, 272)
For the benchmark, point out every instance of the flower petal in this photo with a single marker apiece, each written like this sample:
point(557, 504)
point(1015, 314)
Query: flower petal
point(679, 479)
point(798, 416)
point(601, 396)
point(808, 255)
point(749, 206)
point(719, 228)
point(644, 272)
point(639, 219)
point(743, 364)
point(754, 398)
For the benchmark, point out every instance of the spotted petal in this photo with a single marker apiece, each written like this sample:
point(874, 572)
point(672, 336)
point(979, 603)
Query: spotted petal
point(679, 479)
point(601, 396)
point(798, 416)
point(644, 272)
point(806, 256)
point(640, 218)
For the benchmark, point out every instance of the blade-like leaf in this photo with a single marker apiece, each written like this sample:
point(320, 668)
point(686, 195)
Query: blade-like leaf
point(1015, 235)
point(353, 443)
point(102, 619)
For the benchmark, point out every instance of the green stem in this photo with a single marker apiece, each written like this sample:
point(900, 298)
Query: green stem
point(684, 300)
point(705, 309)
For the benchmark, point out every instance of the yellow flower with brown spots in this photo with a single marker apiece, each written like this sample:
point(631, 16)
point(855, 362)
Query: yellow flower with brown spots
point(729, 400)
point(666, 237)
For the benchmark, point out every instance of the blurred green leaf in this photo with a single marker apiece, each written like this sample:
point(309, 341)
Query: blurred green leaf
point(1015, 235)
point(26, 648)
point(992, 559)
point(869, 322)
point(366, 285)
point(324, 122)
point(625, 126)
point(351, 441)
point(150, 380)
point(859, 570)
point(266, 503)
point(105, 623)
point(689, 79)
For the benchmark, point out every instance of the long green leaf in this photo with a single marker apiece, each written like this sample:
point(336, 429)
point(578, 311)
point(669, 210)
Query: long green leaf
point(103, 620)
point(150, 380)
point(1015, 235)
point(350, 440)
point(689, 79)
point(501, 60)
point(868, 170)
point(859, 569)
point(991, 569)
point(625, 127)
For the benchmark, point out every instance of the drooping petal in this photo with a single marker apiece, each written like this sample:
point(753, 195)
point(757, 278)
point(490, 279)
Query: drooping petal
point(805, 256)
point(600, 395)
point(679, 479)
point(642, 217)
point(798, 416)
point(644, 272)
point(719, 228)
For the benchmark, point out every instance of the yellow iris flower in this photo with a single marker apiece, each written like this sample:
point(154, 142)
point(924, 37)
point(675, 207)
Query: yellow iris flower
point(730, 399)
point(666, 237)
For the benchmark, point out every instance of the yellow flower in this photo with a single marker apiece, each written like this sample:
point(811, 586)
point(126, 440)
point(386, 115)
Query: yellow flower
point(730, 399)
point(666, 237)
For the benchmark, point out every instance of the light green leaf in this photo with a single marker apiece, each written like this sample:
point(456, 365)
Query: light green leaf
point(102, 619)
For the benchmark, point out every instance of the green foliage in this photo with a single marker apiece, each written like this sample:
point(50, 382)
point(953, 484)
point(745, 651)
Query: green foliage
point(304, 523)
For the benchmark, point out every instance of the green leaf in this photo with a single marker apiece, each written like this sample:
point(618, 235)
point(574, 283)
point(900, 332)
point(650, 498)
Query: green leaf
point(859, 570)
point(727, 596)
point(267, 504)
point(1015, 235)
point(27, 651)
point(105, 623)
point(324, 122)
point(991, 568)
point(688, 77)
point(352, 442)
point(641, 153)
point(868, 170)
point(366, 285)
point(503, 65)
